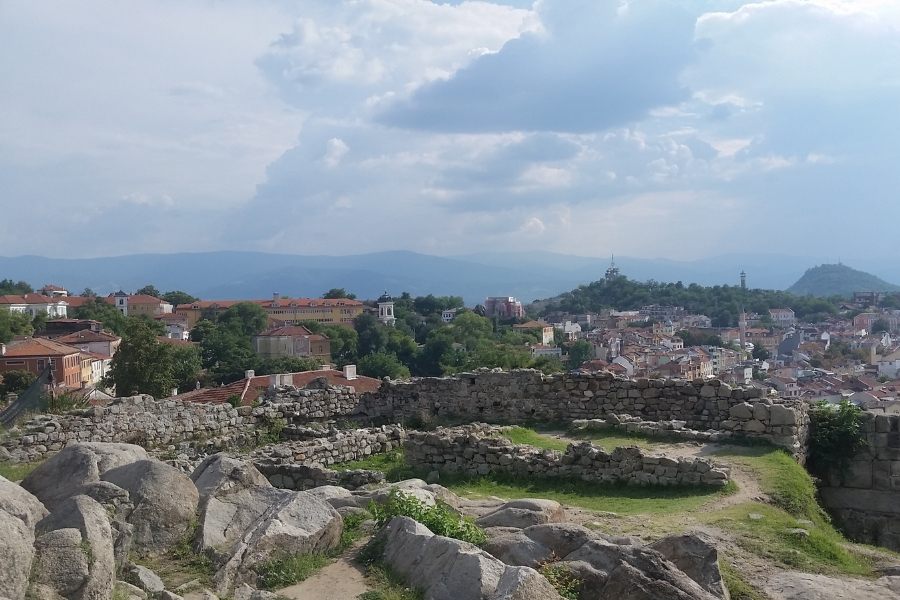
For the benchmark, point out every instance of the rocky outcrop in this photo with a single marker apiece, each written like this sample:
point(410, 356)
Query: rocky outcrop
point(448, 569)
point(17, 550)
point(18, 502)
point(696, 555)
point(63, 475)
point(164, 503)
point(524, 513)
point(90, 577)
point(244, 521)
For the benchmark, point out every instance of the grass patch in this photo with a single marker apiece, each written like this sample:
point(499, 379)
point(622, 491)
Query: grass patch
point(610, 440)
point(530, 437)
point(738, 587)
point(440, 519)
point(182, 563)
point(17, 471)
point(282, 571)
point(388, 586)
point(352, 530)
point(821, 550)
point(781, 477)
point(392, 464)
point(567, 584)
point(621, 499)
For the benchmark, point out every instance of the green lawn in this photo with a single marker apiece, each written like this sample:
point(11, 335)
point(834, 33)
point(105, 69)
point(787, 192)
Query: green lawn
point(390, 463)
point(530, 437)
point(541, 437)
point(17, 471)
point(623, 500)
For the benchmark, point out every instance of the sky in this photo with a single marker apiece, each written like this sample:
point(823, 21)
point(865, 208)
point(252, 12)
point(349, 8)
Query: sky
point(649, 128)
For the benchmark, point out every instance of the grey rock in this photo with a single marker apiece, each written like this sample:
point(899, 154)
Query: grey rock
point(219, 473)
point(245, 592)
point(131, 591)
point(165, 502)
point(448, 569)
point(524, 513)
point(144, 578)
point(118, 506)
point(513, 547)
point(18, 502)
point(17, 550)
point(696, 555)
point(86, 515)
point(64, 474)
point(561, 538)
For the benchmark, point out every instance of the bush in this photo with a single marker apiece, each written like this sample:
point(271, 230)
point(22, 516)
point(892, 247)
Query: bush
point(563, 579)
point(64, 402)
point(835, 435)
point(284, 570)
point(440, 518)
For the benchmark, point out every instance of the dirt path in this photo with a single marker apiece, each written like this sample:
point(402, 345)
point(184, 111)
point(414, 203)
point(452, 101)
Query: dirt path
point(342, 579)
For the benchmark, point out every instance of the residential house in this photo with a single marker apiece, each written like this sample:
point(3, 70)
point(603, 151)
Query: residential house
point(503, 307)
point(570, 331)
point(96, 342)
point(36, 354)
point(292, 341)
point(35, 304)
point(538, 350)
point(139, 304)
point(889, 365)
point(656, 312)
point(545, 330)
point(787, 386)
point(54, 291)
point(449, 314)
point(783, 317)
point(55, 328)
point(292, 311)
point(177, 326)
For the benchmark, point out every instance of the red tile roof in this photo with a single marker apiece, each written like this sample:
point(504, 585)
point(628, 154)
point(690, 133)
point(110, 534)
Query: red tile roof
point(286, 330)
point(38, 347)
point(137, 299)
point(249, 390)
point(280, 303)
point(175, 341)
point(29, 299)
point(86, 335)
point(76, 301)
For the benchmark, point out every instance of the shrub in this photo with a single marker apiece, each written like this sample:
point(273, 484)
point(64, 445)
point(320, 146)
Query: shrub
point(441, 519)
point(234, 400)
point(835, 435)
point(64, 402)
point(284, 570)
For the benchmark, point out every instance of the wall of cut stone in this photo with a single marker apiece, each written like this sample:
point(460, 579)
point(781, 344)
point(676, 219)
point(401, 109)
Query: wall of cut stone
point(475, 450)
point(865, 499)
point(529, 396)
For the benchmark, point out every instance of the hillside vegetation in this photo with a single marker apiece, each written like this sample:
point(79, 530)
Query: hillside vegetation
point(839, 280)
point(722, 303)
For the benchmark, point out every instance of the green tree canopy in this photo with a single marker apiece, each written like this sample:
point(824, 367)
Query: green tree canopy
point(579, 352)
point(142, 365)
point(245, 318)
point(287, 364)
point(14, 382)
point(88, 293)
point(382, 364)
point(149, 290)
point(760, 352)
point(335, 293)
point(186, 366)
point(13, 324)
point(178, 297)
point(100, 310)
point(10, 287)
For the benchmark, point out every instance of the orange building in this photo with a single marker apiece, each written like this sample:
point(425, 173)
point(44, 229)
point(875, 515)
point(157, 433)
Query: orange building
point(291, 311)
point(35, 354)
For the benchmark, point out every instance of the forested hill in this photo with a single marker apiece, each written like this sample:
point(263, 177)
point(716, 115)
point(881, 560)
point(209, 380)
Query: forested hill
point(722, 303)
point(839, 280)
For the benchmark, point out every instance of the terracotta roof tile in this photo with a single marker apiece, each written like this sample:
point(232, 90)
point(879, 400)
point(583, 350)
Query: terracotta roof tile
point(38, 347)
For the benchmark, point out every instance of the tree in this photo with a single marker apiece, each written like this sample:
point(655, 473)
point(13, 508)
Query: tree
point(287, 364)
point(142, 365)
point(760, 352)
point(224, 351)
point(382, 364)
point(13, 382)
point(39, 322)
point(106, 313)
point(13, 324)
point(335, 293)
point(880, 326)
point(88, 293)
point(343, 341)
point(579, 352)
point(178, 297)
point(246, 318)
point(371, 334)
point(186, 366)
point(16, 288)
point(149, 290)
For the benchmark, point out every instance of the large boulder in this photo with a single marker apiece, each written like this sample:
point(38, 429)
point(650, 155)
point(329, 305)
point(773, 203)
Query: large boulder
point(524, 513)
point(117, 504)
point(427, 493)
point(63, 562)
point(17, 550)
point(245, 521)
point(18, 502)
point(64, 474)
point(448, 569)
point(165, 502)
point(89, 518)
point(628, 572)
point(219, 473)
point(696, 555)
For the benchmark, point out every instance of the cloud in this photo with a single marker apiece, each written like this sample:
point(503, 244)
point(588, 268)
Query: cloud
point(596, 64)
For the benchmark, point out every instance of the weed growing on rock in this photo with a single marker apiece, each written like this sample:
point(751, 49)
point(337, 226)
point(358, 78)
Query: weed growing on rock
point(388, 586)
point(440, 518)
point(351, 531)
point(835, 435)
point(563, 579)
point(738, 587)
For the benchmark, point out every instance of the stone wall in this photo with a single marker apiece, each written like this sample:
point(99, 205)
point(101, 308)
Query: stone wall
point(865, 500)
point(481, 450)
point(301, 465)
point(157, 424)
point(529, 396)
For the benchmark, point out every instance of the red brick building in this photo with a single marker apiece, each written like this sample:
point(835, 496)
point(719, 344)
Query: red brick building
point(35, 354)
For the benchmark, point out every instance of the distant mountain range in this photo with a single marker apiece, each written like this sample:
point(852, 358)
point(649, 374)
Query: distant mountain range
point(526, 275)
point(839, 280)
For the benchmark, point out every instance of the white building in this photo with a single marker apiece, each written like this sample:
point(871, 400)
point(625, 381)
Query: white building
point(35, 304)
